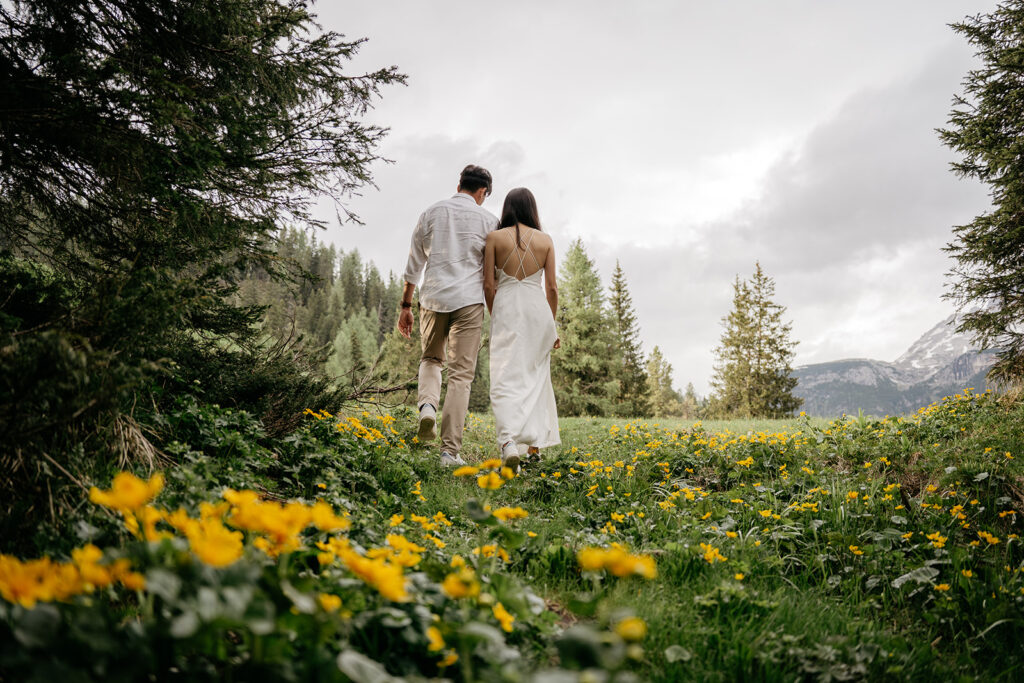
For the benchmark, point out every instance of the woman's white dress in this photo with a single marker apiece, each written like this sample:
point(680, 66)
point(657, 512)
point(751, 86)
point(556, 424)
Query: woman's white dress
point(522, 336)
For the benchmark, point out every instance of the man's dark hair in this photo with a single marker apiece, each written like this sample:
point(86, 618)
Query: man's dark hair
point(475, 177)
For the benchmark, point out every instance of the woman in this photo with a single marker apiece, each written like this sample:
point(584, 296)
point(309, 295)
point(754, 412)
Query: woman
point(522, 328)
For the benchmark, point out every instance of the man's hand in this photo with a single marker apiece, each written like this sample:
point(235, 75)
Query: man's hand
point(405, 323)
point(558, 343)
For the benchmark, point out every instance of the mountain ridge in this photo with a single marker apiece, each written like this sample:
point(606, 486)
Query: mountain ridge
point(940, 362)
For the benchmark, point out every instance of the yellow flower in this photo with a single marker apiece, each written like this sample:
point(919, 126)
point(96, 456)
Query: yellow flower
point(466, 471)
point(503, 616)
point(852, 495)
point(491, 480)
point(396, 520)
point(127, 492)
point(631, 629)
point(856, 550)
point(765, 513)
point(215, 544)
point(435, 641)
point(507, 513)
point(330, 603)
point(492, 550)
point(591, 559)
point(461, 584)
point(712, 554)
point(385, 577)
point(449, 659)
point(992, 540)
point(967, 573)
point(325, 519)
point(738, 576)
point(942, 587)
point(616, 560)
point(491, 464)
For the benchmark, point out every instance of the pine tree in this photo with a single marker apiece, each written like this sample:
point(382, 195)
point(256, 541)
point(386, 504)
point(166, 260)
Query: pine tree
point(987, 129)
point(633, 398)
point(665, 400)
point(753, 371)
point(150, 153)
point(584, 371)
point(355, 346)
point(691, 403)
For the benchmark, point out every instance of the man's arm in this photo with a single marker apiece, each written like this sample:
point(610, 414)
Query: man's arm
point(490, 288)
point(405, 318)
point(418, 254)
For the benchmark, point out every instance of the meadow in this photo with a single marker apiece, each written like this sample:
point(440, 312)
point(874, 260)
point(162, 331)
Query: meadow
point(881, 549)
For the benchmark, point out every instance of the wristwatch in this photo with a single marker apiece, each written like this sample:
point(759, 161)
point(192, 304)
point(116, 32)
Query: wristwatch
point(406, 304)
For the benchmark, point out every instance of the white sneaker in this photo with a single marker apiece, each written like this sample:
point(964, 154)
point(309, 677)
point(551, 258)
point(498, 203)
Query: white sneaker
point(428, 418)
point(449, 460)
point(510, 456)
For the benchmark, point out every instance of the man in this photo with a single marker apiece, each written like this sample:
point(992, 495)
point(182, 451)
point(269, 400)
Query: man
point(448, 252)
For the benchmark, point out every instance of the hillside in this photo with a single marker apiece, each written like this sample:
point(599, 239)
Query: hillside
point(941, 362)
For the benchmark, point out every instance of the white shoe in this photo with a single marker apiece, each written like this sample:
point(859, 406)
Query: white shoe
point(449, 460)
point(510, 456)
point(428, 418)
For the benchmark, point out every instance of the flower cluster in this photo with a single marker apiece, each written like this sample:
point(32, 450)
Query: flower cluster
point(618, 561)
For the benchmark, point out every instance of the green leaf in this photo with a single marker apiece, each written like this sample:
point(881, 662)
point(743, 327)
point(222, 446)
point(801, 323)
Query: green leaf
point(185, 625)
point(37, 627)
point(510, 538)
point(163, 583)
point(362, 669)
point(478, 514)
point(677, 653)
point(919, 575)
point(303, 602)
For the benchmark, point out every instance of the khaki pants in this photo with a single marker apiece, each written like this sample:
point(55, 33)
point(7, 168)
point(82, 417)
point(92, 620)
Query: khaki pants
point(457, 335)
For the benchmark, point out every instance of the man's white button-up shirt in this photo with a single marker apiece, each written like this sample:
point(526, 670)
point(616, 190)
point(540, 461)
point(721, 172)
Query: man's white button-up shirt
point(448, 252)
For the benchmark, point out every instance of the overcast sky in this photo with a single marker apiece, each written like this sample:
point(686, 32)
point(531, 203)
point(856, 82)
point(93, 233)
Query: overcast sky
point(689, 139)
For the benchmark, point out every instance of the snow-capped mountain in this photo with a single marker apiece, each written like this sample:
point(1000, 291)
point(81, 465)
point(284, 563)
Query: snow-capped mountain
point(941, 362)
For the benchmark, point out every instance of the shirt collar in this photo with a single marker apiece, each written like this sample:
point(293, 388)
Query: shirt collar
point(463, 195)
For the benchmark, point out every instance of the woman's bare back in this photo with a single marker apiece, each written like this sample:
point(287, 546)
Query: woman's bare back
point(523, 260)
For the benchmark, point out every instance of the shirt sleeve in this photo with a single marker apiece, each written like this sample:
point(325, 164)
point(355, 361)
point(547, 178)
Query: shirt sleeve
point(419, 250)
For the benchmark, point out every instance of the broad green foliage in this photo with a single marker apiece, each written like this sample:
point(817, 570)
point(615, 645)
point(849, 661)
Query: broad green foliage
point(857, 549)
point(633, 400)
point(753, 360)
point(585, 371)
point(986, 128)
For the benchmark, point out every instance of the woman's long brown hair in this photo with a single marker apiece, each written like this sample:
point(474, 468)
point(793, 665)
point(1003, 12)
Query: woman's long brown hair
point(520, 207)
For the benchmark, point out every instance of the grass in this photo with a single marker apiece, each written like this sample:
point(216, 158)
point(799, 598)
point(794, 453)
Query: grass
point(785, 550)
point(806, 592)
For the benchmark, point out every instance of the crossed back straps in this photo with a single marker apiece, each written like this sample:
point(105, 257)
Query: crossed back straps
point(521, 252)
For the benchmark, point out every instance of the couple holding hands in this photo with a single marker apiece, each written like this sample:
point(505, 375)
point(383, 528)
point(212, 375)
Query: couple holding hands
point(466, 259)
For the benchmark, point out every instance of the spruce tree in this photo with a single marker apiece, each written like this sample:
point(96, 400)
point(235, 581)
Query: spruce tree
point(584, 371)
point(633, 396)
point(753, 361)
point(149, 154)
point(691, 403)
point(665, 400)
point(986, 127)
